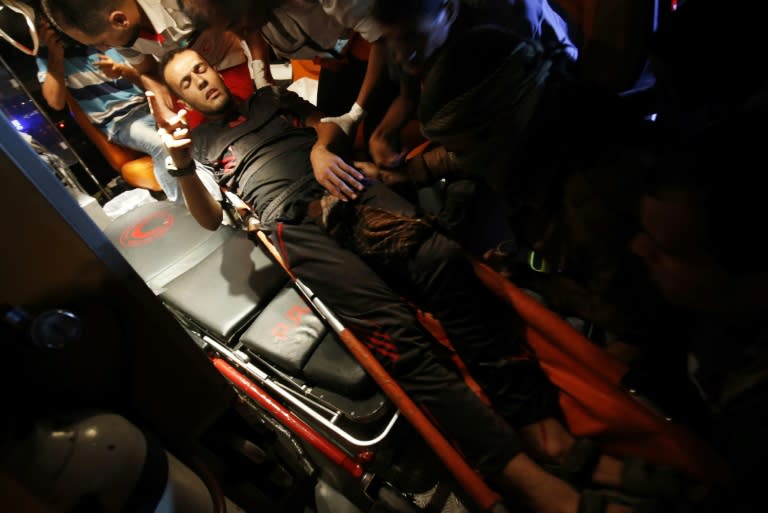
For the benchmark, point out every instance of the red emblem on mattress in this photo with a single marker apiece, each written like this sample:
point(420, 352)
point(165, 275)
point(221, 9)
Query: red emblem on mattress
point(147, 230)
point(294, 314)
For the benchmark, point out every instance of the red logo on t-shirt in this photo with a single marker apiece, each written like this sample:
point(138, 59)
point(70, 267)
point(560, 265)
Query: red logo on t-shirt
point(235, 122)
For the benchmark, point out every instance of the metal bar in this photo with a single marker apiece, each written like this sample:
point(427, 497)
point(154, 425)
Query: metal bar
point(289, 419)
point(264, 379)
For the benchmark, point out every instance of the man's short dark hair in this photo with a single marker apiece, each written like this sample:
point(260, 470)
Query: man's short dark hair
point(87, 16)
point(164, 60)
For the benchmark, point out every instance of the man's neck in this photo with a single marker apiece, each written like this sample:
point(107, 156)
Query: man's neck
point(230, 112)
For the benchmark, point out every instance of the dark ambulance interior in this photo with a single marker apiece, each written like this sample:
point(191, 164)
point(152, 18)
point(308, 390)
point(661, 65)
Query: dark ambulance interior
point(112, 315)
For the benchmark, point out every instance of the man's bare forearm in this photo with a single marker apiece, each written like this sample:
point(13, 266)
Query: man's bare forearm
point(54, 88)
point(203, 207)
point(374, 72)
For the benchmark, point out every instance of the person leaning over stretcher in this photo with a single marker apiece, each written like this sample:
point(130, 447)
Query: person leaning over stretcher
point(279, 166)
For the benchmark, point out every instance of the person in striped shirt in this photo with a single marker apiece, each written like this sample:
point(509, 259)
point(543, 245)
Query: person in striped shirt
point(106, 88)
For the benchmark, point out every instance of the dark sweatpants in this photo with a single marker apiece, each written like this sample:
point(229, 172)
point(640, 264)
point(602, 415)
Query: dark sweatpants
point(439, 279)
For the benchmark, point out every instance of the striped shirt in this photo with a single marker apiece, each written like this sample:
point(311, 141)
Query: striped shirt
point(105, 101)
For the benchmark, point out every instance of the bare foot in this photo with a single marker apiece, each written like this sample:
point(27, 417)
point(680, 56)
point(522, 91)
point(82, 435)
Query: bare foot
point(548, 440)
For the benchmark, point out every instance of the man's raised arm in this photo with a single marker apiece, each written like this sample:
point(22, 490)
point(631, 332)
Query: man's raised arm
point(174, 133)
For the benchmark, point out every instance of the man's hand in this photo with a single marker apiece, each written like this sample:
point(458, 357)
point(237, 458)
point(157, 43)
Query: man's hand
point(110, 68)
point(385, 176)
point(385, 150)
point(174, 133)
point(178, 143)
point(339, 178)
point(347, 122)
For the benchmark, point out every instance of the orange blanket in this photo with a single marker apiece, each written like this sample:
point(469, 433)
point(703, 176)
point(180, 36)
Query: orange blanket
point(591, 397)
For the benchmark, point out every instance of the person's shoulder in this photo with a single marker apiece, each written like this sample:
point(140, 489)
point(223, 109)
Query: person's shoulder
point(265, 100)
point(269, 93)
point(272, 93)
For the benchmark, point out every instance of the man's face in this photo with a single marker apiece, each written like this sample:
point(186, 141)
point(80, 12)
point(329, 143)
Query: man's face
point(671, 245)
point(414, 41)
point(195, 82)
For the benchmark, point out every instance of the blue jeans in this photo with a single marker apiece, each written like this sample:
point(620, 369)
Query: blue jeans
point(138, 131)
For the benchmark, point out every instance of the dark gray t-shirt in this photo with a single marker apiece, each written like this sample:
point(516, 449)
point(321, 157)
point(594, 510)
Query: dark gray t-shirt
point(270, 153)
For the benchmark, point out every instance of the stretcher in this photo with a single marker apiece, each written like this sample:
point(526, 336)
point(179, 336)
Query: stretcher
point(285, 356)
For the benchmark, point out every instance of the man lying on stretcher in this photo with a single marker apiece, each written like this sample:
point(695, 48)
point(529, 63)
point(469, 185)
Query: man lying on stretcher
point(342, 249)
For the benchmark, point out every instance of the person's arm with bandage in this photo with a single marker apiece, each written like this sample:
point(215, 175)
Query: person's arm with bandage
point(174, 133)
point(354, 14)
point(257, 52)
point(374, 72)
